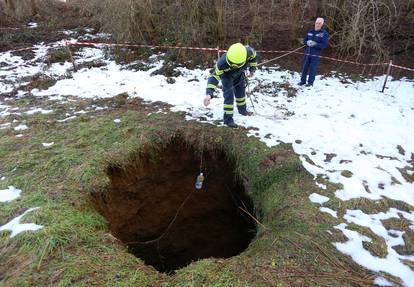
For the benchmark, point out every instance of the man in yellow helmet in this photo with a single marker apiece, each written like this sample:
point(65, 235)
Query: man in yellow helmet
point(230, 70)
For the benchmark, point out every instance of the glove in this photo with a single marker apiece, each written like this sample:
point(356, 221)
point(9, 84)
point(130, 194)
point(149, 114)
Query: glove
point(311, 43)
point(207, 100)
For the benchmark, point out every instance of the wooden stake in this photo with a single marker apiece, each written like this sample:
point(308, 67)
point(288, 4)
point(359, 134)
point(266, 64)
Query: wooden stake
point(386, 77)
point(71, 58)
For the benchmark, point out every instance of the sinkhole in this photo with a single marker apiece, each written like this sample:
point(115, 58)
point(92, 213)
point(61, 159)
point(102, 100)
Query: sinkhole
point(153, 207)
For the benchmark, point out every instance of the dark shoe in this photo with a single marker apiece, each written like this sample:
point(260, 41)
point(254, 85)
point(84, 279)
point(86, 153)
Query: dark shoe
point(246, 113)
point(231, 124)
point(309, 85)
point(301, 83)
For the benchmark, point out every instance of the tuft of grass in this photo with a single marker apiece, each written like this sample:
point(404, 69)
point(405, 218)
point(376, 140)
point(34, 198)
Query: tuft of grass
point(59, 55)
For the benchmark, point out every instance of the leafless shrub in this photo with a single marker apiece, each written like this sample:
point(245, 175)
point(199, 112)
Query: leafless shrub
point(363, 26)
point(357, 27)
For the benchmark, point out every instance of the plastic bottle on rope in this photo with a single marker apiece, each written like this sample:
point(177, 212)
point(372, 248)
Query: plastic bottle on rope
point(199, 182)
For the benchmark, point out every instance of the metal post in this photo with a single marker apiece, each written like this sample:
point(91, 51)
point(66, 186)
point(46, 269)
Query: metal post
point(386, 77)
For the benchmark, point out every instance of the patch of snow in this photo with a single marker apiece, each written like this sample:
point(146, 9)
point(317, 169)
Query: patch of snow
point(317, 198)
point(9, 194)
point(373, 222)
point(16, 227)
point(82, 112)
point(48, 144)
point(117, 120)
point(90, 54)
point(19, 136)
point(67, 119)
point(21, 127)
point(381, 281)
point(328, 210)
point(32, 25)
point(390, 264)
point(5, 126)
point(4, 109)
point(321, 186)
point(38, 110)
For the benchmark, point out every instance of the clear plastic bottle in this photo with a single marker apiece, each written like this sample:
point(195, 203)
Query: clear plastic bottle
point(199, 182)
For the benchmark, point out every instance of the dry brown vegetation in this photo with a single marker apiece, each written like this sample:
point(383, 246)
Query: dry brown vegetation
point(357, 27)
point(381, 29)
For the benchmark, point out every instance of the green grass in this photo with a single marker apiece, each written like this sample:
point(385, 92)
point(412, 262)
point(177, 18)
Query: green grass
point(74, 247)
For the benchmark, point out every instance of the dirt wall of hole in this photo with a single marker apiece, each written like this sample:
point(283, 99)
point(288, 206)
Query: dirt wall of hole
point(144, 196)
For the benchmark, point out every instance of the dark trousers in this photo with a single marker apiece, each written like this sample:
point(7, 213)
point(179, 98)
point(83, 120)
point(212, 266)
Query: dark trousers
point(310, 64)
point(233, 88)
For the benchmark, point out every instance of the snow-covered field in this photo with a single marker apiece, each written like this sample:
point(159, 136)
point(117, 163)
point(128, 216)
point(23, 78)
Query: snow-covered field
point(367, 134)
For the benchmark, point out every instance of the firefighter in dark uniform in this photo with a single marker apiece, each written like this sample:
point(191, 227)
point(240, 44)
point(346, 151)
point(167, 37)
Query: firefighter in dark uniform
point(315, 40)
point(230, 70)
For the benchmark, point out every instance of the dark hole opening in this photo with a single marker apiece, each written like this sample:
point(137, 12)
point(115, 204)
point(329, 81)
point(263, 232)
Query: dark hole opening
point(153, 207)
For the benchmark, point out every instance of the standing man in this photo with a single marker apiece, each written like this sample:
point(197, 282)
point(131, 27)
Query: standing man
point(315, 40)
point(230, 70)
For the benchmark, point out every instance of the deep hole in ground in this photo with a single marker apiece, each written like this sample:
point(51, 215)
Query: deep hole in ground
point(152, 206)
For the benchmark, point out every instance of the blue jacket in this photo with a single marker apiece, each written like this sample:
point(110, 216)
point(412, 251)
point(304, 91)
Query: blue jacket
point(321, 38)
point(223, 69)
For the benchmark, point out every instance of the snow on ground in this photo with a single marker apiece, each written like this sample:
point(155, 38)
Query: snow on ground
point(367, 133)
point(9, 194)
point(317, 198)
point(38, 110)
point(48, 144)
point(21, 127)
point(15, 227)
point(32, 25)
point(329, 211)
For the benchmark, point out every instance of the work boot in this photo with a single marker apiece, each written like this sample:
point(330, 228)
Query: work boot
point(246, 113)
point(309, 85)
point(301, 83)
point(230, 123)
point(243, 110)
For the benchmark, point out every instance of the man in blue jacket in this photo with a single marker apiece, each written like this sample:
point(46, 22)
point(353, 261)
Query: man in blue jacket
point(230, 70)
point(315, 40)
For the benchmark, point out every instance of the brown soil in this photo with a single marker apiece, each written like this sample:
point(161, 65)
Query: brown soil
point(152, 207)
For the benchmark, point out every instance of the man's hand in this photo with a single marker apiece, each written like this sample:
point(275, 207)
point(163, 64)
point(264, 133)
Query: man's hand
point(250, 74)
point(207, 100)
point(311, 43)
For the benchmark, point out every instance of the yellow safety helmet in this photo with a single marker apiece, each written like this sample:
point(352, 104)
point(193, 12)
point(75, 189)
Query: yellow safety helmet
point(236, 55)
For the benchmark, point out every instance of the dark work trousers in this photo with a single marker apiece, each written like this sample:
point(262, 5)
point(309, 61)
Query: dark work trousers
point(310, 63)
point(233, 88)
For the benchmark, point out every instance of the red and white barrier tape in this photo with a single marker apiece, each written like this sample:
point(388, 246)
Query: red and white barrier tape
point(324, 57)
point(345, 61)
point(68, 43)
point(403, 68)
point(19, 50)
point(9, 28)
point(217, 50)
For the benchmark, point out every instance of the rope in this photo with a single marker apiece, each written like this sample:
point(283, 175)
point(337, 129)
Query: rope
point(279, 57)
point(250, 95)
point(202, 151)
point(168, 227)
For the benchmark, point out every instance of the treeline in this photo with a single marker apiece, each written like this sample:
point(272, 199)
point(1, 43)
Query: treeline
point(359, 27)
point(382, 28)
